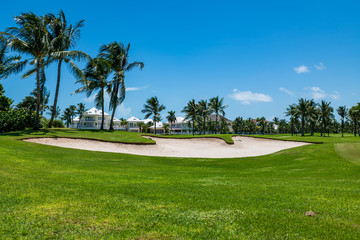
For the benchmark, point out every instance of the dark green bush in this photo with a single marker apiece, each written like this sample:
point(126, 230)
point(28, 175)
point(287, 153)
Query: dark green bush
point(16, 119)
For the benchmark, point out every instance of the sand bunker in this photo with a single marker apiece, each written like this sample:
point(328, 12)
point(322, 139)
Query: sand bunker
point(193, 147)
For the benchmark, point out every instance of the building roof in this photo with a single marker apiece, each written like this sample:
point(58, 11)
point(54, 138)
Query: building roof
point(213, 118)
point(95, 111)
point(158, 125)
point(133, 119)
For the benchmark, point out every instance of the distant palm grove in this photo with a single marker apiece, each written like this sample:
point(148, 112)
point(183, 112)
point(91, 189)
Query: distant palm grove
point(36, 42)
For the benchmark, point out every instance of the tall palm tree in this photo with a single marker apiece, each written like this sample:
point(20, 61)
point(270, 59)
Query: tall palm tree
point(72, 112)
point(204, 111)
point(191, 111)
point(96, 74)
point(171, 118)
point(354, 115)
point(30, 38)
point(292, 112)
point(117, 55)
point(57, 111)
point(67, 117)
point(302, 109)
point(63, 37)
point(342, 111)
point(8, 64)
point(326, 113)
point(80, 110)
point(313, 115)
point(153, 107)
point(217, 107)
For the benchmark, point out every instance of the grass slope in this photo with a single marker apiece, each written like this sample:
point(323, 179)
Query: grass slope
point(226, 137)
point(349, 151)
point(55, 193)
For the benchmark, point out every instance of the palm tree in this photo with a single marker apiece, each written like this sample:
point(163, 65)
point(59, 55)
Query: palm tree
point(8, 64)
point(141, 126)
point(96, 74)
point(217, 107)
point(117, 55)
point(124, 123)
point(171, 118)
point(30, 38)
point(63, 37)
point(204, 111)
point(313, 115)
point(342, 111)
point(67, 117)
point(326, 113)
point(57, 111)
point(72, 112)
point(166, 127)
point(153, 107)
point(302, 109)
point(80, 110)
point(354, 115)
point(191, 111)
point(292, 112)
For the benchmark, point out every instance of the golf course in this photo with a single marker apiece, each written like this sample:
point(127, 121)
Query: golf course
point(48, 192)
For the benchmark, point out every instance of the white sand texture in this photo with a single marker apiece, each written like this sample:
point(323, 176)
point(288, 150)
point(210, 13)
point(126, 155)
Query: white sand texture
point(189, 148)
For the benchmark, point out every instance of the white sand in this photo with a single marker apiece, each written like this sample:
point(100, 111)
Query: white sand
point(193, 147)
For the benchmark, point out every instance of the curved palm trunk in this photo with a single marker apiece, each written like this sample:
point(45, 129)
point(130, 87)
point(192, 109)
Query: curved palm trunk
point(114, 107)
point(38, 95)
point(56, 95)
point(102, 108)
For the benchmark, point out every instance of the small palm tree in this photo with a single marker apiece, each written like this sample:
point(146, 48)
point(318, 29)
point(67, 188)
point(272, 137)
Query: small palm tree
point(117, 55)
point(191, 111)
point(166, 128)
point(342, 111)
point(67, 117)
point(72, 112)
point(326, 113)
point(153, 107)
point(292, 112)
point(171, 118)
point(124, 123)
point(217, 107)
point(96, 74)
point(354, 115)
point(8, 64)
point(63, 37)
point(141, 126)
point(80, 111)
point(204, 111)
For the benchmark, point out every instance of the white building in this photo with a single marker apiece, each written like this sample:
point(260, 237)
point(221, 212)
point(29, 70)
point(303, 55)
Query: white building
point(180, 125)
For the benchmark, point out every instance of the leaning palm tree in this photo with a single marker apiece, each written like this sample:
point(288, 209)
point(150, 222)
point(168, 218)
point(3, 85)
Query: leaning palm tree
point(342, 111)
point(63, 37)
point(30, 38)
point(117, 55)
point(153, 107)
point(191, 111)
point(204, 111)
point(217, 107)
point(171, 118)
point(326, 113)
point(80, 111)
point(8, 64)
point(96, 74)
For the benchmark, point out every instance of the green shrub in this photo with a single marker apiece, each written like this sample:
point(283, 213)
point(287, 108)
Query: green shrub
point(58, 123)
point(16, 119)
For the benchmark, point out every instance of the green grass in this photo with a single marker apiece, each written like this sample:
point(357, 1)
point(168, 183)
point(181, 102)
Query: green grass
point(349, 151)
point(48, 192)
point(226, 137)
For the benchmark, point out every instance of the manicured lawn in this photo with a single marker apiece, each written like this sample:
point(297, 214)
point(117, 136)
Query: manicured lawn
point(55, 193)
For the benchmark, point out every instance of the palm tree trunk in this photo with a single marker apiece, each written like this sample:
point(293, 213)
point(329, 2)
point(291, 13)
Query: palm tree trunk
point(154, 124)
point(116, 89)
point(56, 94)
point(216, 122)
point(170, 128)
point(204, 125)
point(78, 122)
point(112, 119)
point(342, 128)
point(302, 126)
point(193, 127)
point(37, 96)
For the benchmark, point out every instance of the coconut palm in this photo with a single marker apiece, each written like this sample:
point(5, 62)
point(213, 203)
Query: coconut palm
point(171, 118)
point(326, 113)
point(342, 111)
point(117, 55)
point(191, 111)
point(153, 107)
point(67, 117)
point(354, 115)
point(313, 115)
point(124, 123)
point(217, 107)
point(96, 74)
point(63, 37)
point(30, 38)
point(80, 110)
point(57, 111)
point(204, 111)
point(166, 127)
point(302, 109)
point(141, 126)
point(292, 112)
point(8, 64)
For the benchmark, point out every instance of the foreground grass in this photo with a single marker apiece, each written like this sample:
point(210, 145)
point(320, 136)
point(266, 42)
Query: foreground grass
point(226, 137)
point(50, 192)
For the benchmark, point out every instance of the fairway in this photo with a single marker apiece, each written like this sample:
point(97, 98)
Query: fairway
point(49, 192)
point(350, 152)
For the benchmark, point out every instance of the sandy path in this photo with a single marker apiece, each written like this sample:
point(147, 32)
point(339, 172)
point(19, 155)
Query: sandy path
point(193, 147)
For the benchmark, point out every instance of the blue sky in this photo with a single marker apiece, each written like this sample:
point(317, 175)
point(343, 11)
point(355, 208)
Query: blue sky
point(260, 56)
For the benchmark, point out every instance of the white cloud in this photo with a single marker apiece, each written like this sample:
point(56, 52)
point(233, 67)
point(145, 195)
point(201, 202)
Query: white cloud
point(246, 97)
point(320, 67)
point(301, 69)
point(287, 91)
point(317, 93)
point(135, 88)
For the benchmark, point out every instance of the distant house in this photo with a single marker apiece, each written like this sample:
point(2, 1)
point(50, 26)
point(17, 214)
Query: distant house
point(213, 118)
point(92, 120)
point(180, 125)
